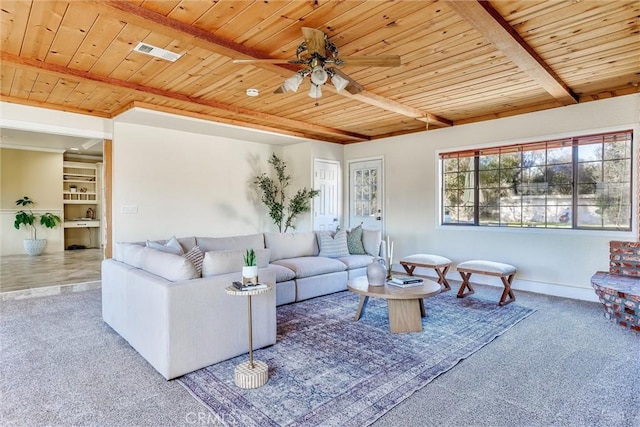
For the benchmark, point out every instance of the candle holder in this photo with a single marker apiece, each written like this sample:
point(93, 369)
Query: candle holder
point(389, 257)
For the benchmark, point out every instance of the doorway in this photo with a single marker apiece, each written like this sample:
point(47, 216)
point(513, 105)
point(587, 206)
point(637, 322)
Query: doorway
point(366, 193)
point(326, 207)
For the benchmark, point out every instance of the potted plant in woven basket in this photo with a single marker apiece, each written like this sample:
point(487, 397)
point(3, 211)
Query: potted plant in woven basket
point(26, 217)
point(250, 268)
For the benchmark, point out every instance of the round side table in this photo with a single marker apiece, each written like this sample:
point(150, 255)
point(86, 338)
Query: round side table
point(253, 373)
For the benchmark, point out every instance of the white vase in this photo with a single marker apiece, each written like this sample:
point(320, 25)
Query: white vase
point(377, 272)
point(250, 274)
point(34, 247)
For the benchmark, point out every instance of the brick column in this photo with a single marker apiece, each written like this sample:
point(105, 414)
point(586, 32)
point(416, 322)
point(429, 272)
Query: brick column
point(624, 258)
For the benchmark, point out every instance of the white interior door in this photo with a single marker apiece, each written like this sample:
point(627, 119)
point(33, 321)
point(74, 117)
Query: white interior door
point(326, 209)
point(365, 194)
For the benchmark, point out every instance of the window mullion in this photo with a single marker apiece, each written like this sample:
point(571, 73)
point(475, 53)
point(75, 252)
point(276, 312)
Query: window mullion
point(574, 186)
point(476, 189)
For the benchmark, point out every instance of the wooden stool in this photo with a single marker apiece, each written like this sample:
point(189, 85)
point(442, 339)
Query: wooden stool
point(439, 263)
point(504, 271)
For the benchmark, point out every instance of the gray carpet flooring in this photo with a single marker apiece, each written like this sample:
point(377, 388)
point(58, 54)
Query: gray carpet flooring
point(565, 365)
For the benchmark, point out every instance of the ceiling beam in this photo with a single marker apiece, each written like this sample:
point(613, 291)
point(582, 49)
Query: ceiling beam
point(154, 21)
point(139, 16)
point(484, 18)
point(402, 109)
point(66, 72)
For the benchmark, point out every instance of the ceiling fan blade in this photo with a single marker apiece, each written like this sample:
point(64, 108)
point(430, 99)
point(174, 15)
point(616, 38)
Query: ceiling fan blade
point(266, 61)
point(372, 61)
point(353, 87)
point(315, 41)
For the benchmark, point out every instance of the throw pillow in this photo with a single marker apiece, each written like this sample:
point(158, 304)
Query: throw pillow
point(196, 256)
point(223, 262)
point(170, 266)
point(371, 240)
point(291, 245)
point(132, 254)
point(172, 246)
point(354, 241)
point(333, 247)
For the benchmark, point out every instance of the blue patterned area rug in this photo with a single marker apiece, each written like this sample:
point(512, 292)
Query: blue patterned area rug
point(326, 369)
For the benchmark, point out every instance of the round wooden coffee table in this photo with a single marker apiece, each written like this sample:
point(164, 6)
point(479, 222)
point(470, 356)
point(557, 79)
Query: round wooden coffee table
point(405, 305)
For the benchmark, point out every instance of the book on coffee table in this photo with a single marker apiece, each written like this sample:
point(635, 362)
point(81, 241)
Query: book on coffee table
point(405, 281)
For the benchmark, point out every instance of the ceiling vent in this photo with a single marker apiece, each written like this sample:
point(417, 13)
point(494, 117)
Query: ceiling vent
point(156, 51)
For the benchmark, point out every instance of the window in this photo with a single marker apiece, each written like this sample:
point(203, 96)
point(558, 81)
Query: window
point(365, 191)
point(582, 183)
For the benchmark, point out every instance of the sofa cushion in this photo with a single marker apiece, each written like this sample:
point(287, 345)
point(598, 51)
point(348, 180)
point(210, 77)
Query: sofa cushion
point(187, 243)
point(356, 261)
point(354, 241)
point(371, 240)
point(223, 262)
point(283, 274)
point(196, 256)
point(130, 253)
point(291, 245)
point(234, 243)
point(170, 266)
point(333, 246)
point(311, 266)
point(172, 246)
point(118, 251)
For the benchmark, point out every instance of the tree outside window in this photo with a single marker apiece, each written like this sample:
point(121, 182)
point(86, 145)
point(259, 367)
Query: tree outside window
point(582, 182)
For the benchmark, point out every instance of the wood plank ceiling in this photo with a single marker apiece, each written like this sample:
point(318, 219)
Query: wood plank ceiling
point(462, 61)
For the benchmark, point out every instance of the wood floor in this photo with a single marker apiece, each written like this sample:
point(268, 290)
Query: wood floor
point(24, 272)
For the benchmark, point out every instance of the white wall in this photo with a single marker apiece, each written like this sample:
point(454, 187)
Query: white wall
point(558, 262)
point(299, 158)
point(300, 167)
point(185, 184)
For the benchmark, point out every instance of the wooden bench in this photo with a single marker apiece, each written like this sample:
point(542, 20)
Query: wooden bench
point(439, 263)
point(490, 268)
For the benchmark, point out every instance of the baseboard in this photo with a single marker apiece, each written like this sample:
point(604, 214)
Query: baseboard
point(557, 290)
point(554, 289)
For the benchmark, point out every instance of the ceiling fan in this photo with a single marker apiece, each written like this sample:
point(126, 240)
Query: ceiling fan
point(320, 56)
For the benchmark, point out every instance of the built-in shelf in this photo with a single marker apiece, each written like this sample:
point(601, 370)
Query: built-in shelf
point(82, 224)
point(81, 198)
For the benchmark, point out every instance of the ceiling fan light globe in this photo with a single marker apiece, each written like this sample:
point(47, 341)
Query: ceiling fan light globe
point(318, 75)
point(315, 91)
point(339, 82)
point(292, 83)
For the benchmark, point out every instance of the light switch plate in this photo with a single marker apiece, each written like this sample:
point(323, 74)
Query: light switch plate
point(129, 209)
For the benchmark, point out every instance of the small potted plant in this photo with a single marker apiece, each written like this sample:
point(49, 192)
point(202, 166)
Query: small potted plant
point(26, 217)
point(250, 268)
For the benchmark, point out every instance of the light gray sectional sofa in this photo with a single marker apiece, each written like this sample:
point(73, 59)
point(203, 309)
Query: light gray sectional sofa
point(173, 308)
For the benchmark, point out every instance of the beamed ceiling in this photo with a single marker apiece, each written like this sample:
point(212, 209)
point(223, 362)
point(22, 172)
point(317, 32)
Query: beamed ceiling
point(462, 61)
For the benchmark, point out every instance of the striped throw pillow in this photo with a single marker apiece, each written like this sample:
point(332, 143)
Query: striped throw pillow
point(196, 256)
point(333, 247)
